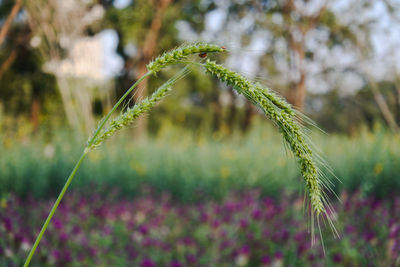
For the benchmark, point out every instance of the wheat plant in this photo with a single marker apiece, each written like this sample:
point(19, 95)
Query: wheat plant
point(275, 108)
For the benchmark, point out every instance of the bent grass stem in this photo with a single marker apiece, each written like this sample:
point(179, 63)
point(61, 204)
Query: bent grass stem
point(77, 165)
point(54, 208)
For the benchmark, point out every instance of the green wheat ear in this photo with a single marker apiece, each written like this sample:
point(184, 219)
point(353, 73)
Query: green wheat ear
point(131, 114)
point(177, 55)
point(276, 108)
point(284, 117)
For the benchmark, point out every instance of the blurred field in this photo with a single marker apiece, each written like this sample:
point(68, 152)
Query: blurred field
point(194, 168)
point(242, 230)
point(178, 199)
point(202, 179)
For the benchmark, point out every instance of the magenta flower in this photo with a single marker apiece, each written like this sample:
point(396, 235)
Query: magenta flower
point(56, 254)
point(266, 259)
point(175, 264)
point(337, 258)
point(278, 255)
point(147, 263)
point(143, 229)
point(243, 223)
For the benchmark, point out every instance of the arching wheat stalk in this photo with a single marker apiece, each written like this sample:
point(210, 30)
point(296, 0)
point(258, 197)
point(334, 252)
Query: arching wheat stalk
point(276, 109)
point(283, 115)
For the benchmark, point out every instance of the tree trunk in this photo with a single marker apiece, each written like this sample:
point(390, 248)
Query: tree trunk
point(297, 90)
point(6, 26)
point(232, 112)
point(248, 116)
point(8, 62)
point(384, 108)
point(397, 85)
point(35, 111)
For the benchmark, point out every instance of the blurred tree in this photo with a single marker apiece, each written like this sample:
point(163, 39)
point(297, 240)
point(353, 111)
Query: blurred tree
point(349, 64)
point(24, 86)
point(58, 27)
point(139, 26)
point(376, 52)
point(287, 31)
point(7, 23)
point(146, 29)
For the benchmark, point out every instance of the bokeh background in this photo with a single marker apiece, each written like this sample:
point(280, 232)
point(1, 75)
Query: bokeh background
point(203, 179)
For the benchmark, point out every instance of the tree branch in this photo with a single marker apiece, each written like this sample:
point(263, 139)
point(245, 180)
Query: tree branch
point(9, 20)
point(380, 101)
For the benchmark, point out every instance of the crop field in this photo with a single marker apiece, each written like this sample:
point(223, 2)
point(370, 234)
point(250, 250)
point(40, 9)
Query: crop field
point(243, 229)
point(198, 202)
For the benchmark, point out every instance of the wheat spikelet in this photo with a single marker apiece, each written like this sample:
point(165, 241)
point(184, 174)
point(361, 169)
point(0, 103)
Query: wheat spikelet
point(129, 116)
point(177, 55)
point(282, 114)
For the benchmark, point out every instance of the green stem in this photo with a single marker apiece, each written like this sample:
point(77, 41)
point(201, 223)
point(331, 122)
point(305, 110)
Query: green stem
point(71, 176)
point(103, 122)
point(54, 208)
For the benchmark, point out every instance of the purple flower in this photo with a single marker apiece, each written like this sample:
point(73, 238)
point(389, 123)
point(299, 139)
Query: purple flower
point(63, 237)
point(191, 259)
point(148, 242)
point(244, 250)
point(231, 207)
point(225, 244)
point(147, 263)
point(67, 256)
point(143, 229)
point(204, 217)
point(302, 247)
point(337, 258)
point(266, 259)
point(256, 214)
point(175, 264)
point(76, 230)
point(107, 230)
point(19, 238)
point(279, 255)
point(243, 223)
point(58, 223)
point(188, 241)
point(369, 236)
point(350, 229)
point(7, 224)
point(215, 224)
point(56, 254)
point(300, 237)
point(92, 252)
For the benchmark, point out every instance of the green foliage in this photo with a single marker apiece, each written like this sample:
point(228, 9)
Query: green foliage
point(194, 168)
point(356, 111)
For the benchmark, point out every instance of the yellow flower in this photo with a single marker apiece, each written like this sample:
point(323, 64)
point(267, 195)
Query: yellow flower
point(139, 168)
point(225, 172)
point(3, 203)
point(378, 169)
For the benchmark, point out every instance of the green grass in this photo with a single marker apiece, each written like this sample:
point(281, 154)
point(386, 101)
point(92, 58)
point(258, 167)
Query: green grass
point(194, 168)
